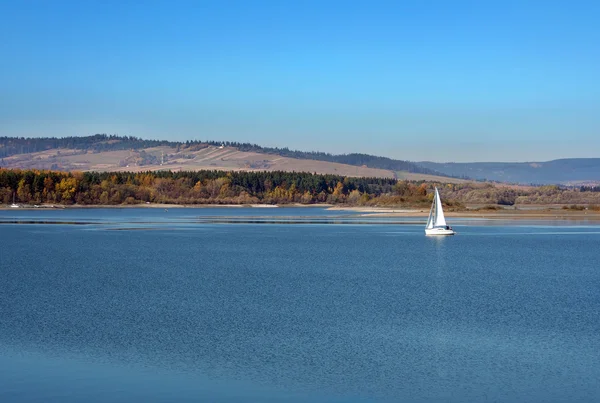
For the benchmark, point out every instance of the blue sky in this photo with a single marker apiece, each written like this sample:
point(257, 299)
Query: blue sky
point(419, 80)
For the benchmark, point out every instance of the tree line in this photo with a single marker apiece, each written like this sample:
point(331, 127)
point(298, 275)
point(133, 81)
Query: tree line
point(98, 143)
point(499, 194)
point(199, 187)
point(589, 189)
point(271, 187)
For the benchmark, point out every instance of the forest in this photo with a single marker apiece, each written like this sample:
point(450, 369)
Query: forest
point(102, 142)
point(192, 187)
point(270, 187)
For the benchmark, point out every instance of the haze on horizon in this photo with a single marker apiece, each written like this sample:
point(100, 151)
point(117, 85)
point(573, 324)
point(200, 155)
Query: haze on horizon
point(437, 80)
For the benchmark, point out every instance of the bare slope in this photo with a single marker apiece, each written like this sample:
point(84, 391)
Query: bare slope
point(150, 159)
point(211, 157)
point(10, 146)
point(113, 153)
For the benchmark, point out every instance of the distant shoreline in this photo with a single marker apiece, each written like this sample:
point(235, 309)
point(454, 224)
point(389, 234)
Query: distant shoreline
point(529, 212)
point(541, 212)
point(156, 205)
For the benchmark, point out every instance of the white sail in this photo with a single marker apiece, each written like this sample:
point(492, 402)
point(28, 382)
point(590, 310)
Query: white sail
point(440, 220)
point(431, 216)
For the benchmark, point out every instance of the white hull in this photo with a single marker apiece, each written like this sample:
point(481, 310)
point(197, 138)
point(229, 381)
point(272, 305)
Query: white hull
point(439, 231)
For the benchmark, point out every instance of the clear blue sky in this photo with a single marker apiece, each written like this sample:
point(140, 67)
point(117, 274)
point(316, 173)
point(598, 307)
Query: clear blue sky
point(437, 80)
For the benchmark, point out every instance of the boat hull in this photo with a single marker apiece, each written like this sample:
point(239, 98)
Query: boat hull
point(439, 231)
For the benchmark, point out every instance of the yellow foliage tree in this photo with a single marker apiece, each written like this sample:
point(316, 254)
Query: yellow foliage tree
point(23, 192)
point(306, 198)
point(67, 188)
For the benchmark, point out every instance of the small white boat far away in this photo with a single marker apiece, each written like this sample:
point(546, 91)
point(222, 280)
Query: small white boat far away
point(436, 223)
point(14, 205)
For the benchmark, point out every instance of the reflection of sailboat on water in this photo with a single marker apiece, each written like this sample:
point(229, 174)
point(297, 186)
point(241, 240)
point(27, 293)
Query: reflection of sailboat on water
point(436, 223)
point(14, 205)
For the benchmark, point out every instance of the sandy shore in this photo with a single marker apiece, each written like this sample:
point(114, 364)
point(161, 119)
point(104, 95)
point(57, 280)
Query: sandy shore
point(377, 210)
point(549, 215)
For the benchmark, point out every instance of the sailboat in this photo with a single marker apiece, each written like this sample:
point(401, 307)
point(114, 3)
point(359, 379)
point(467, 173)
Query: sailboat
point(436, 223)
point(14, 205)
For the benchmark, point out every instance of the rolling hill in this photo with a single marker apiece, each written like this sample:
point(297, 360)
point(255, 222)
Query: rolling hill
point(102, 152)
point(10, 146)
point(115, 153)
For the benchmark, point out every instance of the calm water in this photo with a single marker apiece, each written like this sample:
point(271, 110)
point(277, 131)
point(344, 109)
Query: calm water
point(270, 305)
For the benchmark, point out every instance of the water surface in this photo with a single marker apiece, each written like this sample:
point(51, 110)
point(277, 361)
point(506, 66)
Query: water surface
point(244, 305)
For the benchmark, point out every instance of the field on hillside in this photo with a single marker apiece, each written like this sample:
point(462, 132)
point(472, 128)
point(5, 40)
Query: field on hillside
point(162, 158)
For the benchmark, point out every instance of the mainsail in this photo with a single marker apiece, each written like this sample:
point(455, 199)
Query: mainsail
point(440, 220)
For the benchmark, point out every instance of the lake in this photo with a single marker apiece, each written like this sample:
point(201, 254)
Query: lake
point(284, 304)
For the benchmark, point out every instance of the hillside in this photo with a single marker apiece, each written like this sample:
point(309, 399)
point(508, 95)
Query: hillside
point(10, 146)
point(164, 157)
point(572, 171)
point(101, 152)
point(114, 153)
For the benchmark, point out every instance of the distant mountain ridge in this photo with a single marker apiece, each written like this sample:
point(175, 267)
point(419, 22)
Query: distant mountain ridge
point(568, 171)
